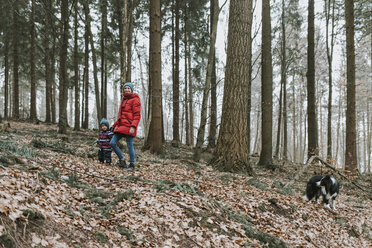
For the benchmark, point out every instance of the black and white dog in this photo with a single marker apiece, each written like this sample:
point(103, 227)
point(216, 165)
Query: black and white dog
point(327, 186)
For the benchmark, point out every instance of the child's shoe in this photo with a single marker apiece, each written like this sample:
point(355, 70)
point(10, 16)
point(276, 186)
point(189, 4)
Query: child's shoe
point(130, 167)
point(122, 164)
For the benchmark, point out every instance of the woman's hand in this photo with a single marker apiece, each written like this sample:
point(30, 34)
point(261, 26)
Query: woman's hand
point(131, 130)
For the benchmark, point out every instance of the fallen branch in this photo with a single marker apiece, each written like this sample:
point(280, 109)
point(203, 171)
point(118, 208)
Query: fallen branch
point(338, 172)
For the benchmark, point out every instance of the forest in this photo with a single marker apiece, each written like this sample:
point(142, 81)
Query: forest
point(241, 102)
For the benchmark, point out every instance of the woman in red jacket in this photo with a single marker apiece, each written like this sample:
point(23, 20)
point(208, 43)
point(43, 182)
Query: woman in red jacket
point(126, 126)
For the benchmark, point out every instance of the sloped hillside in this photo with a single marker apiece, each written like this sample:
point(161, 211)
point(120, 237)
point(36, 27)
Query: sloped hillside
point(54, 193)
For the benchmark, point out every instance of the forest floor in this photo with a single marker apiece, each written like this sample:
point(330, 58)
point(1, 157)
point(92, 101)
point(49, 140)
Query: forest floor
point(54, 193)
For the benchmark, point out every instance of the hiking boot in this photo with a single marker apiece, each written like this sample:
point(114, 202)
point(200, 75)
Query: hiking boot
point(122, 164)
point(130, 167)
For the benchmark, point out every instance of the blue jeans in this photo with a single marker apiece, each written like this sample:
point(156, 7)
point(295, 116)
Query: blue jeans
point(114, 144)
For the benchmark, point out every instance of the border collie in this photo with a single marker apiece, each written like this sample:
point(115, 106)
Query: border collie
point(327, 186)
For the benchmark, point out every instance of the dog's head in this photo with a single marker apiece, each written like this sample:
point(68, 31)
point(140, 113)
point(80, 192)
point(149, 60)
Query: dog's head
point(327, 181)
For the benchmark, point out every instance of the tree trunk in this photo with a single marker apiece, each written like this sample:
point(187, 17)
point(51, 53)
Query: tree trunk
point(130, 38)
point(191, 98)
point(95, 70)
point(231, 150)
point(53, 81)
point(277, 147)
point(213, 110)
point(6, 75)
point(154, 140)
point(15, 87)
point(63, 79)
point(86, 66)
point(76, 70)
point(48, 86)
point(294, 155)
point(203, 118)
point(284, 80)
point(267, 88)
point(186, 103)
point(311, 108)
point(103, 59)
point(249, 92)
point(33, 114)
point(329, 59)
point(350, 153)
point(124, 39)
point(176, 78)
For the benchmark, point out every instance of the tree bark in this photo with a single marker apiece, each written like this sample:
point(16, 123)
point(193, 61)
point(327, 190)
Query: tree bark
point(103, 59)
point(15, 87)
point(203, 118)
point(124, 40)
point(6, 75)
point(63, 80)
point(311, 108)
point(33, 114)
point(213, 110)
point(191, 98)
point(76, 70)
point(267, 88)
point(186, 103)
point(154, 140)
point(48, 86)
point(95, 69)
point(277, 147)
point(176, 78)
point(231, 150)
point(329, 59)
point(350, 152)
point(130, 39)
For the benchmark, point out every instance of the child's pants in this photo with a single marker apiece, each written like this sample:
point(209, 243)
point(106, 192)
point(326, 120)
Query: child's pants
point(104, 156)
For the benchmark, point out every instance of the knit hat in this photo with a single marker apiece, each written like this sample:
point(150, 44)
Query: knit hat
point(105, 122)
point(130, 85)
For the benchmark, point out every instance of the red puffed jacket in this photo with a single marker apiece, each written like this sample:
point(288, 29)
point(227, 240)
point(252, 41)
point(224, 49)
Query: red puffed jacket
point(129, 114)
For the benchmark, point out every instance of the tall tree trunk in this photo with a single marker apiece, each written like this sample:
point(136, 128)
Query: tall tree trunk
point(212, 44)
point(95, 69)
point(327, 7)
point(86, 66)
point(186, 103)
point(350, 153)
point(103, 59)
point(176, 79)
point(213, 112)
point(53, 81)
point(190, 98)
point(33, 115)
point(267, 88)
point(249, 92)
point(294, 118)
point(63, 80)
point(48, 86)
point(6, 75)
point(283, 74)
point(124, 40)
point(76, 70)
point(154, 140)
point(231, 150)
point(278, 139)
point(130, 39)
point(15, 87)
point(311, 108)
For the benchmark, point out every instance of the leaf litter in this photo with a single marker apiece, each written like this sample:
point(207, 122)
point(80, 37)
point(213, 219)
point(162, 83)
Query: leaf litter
point(71, 200)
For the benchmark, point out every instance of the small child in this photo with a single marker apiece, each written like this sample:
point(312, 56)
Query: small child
point(104, 138)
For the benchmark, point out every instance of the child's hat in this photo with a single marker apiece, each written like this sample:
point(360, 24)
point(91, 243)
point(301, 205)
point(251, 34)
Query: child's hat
point(105, 122)
point(130, 85)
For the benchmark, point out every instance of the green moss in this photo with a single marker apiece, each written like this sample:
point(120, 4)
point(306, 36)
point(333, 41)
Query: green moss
point(33, 215)
point(128, 234)
point(257, 183)
point(101, 237)
point(6, 241)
